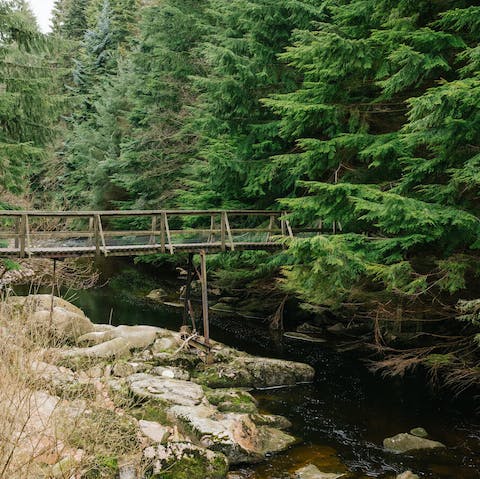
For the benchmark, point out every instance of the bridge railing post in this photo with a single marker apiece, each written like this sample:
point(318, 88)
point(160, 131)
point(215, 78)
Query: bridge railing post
point(223, 230)
point(229, 232)
point(153, 238)
point(22, 235)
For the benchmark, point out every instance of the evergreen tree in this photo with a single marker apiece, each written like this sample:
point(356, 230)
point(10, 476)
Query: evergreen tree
point(29, 101)
point(387, 148)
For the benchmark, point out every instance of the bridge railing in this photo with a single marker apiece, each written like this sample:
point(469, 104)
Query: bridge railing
point(27, 233)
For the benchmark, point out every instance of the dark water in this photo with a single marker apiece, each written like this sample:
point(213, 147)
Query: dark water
point(342, 418)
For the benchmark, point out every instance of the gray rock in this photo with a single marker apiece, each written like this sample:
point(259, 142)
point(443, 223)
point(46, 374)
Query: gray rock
point(171, 372)
point(154, 431)
point(162, 345)
point(234, 435)
point(312, 472)
point(117, 347)
point(174, 391)
point(249, 371)
point(64, 324)
point(407, 442)
point(271, 420)
point(123, 369)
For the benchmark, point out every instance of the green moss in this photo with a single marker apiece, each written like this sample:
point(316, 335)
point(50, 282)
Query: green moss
point(232, 400)
point(104, 467)
point(435, 360)
point(194, 466)
point(152, 410)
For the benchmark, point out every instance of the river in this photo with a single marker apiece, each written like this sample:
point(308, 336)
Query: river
point(342, 418)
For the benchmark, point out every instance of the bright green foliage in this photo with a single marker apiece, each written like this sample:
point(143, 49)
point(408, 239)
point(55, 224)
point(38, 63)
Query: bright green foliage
point(29, 101)
point(387, 123)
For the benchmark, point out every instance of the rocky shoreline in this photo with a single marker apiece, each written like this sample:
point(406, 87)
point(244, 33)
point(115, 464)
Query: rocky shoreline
point(134, 402)
point(189, 419)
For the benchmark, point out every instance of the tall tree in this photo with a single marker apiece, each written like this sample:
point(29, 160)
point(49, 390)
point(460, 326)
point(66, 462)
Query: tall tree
point(29, 101)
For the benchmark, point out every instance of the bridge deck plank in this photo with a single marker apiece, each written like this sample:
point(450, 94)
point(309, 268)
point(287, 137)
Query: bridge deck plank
point(131, 250)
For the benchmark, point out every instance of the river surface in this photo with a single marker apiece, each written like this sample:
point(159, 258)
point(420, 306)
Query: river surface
point(342, 418)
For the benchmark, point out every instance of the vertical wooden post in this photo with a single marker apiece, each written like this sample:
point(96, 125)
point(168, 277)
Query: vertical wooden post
point(23, 234)
point(223, 228)
point(162, 231)
point(91, 230)
point(211, 239)
point(270, 227)
point(17, 233)
point(27, 235)
point(203, 273)
point(187, 308)
point(96, 232)
point(229, 232)
point(153, 238)
point(284, 224)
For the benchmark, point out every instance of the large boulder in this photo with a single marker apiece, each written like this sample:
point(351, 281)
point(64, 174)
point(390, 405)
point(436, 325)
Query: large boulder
point(118, 347)
point(139, 337)
point(155, 432)
point(173, 391)
point(249, 371)
point(181, 460)
point(63, 323)
point(405, 442)
point(234, 435)
point(42, 302)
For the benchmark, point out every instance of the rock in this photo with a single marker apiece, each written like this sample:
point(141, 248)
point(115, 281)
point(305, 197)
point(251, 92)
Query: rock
point(407, 475)
point(309, 328)
point(123, 369)
point(312, 472)
point(65, 324)
point(234, 435)
point(171, 372)
point(419, 432)
point(303, 337)
point(64, 468)
point(157, 295)
point(127, 471)
point(271, 420)
point(54, 375)
point(162, 345)
point(100, 328)
point(337, 328)
point(183, 360)
point(139, 337)
point(154, 431)
point(184, 460)
point(407, 442)
point(117, 347)
point(256, 372)
point(174, 391)
point(232, 400)
point(43, 302)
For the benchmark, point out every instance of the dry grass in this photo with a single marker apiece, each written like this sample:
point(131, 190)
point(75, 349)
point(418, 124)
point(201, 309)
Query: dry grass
point(81, 427)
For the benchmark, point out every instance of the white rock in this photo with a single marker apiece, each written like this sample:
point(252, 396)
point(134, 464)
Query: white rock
point(155, 431)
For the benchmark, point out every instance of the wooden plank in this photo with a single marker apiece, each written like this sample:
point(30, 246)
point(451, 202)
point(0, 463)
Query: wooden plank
point(112, 213)
point(22, 235)
point(162, 232)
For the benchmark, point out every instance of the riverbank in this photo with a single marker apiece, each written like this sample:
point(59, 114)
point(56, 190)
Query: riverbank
point(133, 401)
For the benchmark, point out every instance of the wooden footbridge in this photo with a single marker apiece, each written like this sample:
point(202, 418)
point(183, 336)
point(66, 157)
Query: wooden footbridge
point(73, 234)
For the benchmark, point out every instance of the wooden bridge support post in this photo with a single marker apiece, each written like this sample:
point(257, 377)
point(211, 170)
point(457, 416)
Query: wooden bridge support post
point(203, 280)
point(187, 305)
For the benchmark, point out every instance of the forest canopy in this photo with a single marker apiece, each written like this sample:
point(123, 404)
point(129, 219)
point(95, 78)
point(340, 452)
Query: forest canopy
point(363, 115)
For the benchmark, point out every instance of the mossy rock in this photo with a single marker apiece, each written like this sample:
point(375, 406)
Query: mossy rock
point(232, 400)
point(152, 410)
point(185, 461)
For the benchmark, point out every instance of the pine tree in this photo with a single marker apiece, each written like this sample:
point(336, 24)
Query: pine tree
point(387, 146)
point(29, 101)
